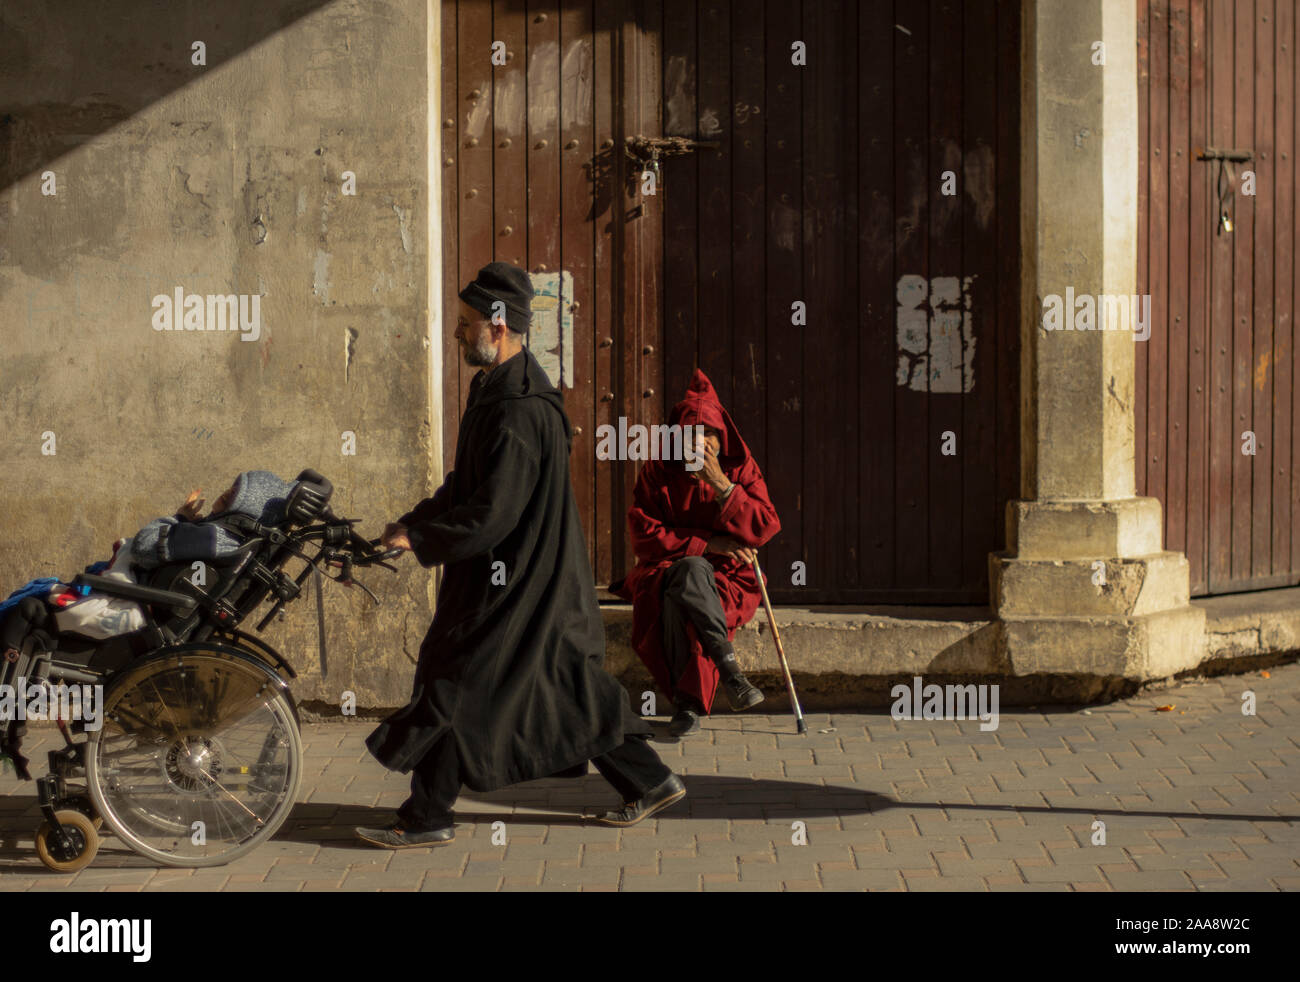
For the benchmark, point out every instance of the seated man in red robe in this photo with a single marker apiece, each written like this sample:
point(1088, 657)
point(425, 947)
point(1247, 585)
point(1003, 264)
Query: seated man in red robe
point(695, 533)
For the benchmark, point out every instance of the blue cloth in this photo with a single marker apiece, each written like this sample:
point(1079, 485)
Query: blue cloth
point(35, 587)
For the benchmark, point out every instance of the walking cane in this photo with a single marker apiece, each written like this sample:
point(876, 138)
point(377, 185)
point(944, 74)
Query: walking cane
point(780, 650)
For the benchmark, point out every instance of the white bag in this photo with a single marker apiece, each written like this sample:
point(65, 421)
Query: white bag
point(100, 616)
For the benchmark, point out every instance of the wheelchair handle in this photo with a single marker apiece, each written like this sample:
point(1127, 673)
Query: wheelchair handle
point(387, 554)
point(366, 552)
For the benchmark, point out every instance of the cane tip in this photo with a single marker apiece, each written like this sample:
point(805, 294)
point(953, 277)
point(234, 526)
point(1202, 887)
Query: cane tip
point(803, 727)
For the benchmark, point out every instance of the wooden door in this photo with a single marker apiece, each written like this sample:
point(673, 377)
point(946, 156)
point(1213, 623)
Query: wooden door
point(872, 178)
point(864, 172)
point(534, 174)
point(1216, 434)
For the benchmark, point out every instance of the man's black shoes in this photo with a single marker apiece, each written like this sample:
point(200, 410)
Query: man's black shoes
point(655, 800)
point(741, 693)
point(396, 836)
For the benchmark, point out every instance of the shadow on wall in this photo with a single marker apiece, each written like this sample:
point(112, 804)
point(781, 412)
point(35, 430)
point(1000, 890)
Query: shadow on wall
point(71, 72)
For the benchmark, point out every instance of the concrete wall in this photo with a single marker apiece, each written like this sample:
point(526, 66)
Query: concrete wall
point(222, 178)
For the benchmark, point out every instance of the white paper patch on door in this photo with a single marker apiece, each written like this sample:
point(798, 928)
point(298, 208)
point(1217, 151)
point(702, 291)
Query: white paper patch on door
point(936, 341)
point(550, 334)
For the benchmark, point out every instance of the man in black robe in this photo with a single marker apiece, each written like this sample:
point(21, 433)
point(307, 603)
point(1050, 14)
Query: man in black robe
point(510, 683)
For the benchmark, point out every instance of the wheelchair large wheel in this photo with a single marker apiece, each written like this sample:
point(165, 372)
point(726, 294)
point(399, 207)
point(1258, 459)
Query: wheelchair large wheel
point(199, 758)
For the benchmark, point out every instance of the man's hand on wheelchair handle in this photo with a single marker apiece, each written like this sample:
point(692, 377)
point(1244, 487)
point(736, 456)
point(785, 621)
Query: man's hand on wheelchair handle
point(394, 537)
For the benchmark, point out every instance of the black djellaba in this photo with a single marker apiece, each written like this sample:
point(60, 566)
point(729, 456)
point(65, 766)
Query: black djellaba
point(510, 683)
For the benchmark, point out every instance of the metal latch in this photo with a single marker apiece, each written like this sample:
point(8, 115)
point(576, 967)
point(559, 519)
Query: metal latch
point(647, 150)
point(1227, 177)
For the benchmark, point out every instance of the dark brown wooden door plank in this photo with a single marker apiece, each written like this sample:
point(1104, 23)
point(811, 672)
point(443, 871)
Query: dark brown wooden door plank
point(788, 452)
point(913, 447)
point(1262, 367)
point(877, 304)
point(1200, 227)
point(1224, 436)
point(578, 151)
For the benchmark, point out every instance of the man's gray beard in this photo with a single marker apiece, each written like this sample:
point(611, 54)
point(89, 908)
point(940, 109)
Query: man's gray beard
point(482, 354)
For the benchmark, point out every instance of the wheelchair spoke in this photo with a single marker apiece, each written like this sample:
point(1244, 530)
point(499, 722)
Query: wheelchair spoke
point(162, 702)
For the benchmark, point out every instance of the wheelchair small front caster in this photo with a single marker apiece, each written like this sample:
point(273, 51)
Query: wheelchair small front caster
point(78, 852)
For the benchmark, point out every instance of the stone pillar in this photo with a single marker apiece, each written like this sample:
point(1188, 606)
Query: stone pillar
point(1085, 586)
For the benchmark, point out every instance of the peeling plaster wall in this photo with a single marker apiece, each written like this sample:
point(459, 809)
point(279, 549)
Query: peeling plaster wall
point(223, 179)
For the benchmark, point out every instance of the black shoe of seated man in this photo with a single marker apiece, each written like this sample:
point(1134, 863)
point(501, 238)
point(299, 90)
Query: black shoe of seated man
point(687, 718)
point(655, 800)
point(741, 693)
point(397, 836)
point(684, 721)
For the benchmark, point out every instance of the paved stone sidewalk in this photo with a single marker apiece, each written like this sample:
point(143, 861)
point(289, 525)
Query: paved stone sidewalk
point(1200, 797)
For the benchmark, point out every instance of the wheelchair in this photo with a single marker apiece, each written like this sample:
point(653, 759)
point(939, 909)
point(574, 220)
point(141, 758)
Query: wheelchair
point(198, 758)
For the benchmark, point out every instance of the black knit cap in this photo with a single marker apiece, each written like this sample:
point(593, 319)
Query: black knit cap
point(510, 285)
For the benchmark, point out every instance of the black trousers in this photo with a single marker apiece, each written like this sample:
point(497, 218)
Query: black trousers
point(633, 768)
point(690, 596)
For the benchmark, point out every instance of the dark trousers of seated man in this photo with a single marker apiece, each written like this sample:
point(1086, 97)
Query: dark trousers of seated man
point(633, 768)
point(690, 596)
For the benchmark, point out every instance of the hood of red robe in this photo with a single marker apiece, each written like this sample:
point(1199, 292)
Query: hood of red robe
point(701, 407)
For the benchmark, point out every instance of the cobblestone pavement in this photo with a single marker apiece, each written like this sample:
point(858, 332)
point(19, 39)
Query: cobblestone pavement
point(1200, 797)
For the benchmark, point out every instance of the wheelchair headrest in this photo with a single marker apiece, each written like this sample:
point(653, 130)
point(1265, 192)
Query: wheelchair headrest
point(309, 498)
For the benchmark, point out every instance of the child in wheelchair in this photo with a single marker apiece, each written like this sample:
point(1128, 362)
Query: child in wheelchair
point(48, 614)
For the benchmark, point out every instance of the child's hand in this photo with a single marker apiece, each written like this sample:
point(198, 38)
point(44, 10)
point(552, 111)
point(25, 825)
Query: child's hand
point(193, 506)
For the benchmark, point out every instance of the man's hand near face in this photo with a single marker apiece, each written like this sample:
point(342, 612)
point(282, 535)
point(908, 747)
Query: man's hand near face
point(394, 537)
point(711, 472)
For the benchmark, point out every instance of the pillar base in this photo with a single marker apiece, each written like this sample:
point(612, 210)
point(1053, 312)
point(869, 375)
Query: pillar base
point(1088, 590)
point(1084, 529)
point(1141, 649)
point(1115, 587)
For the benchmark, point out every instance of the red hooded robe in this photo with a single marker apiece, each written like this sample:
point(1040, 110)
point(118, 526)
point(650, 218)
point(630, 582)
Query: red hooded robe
point(673, 515)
